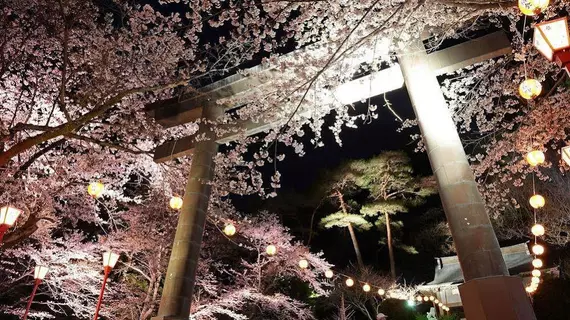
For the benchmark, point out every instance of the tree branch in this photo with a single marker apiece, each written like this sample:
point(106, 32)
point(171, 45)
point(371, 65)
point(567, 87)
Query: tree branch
point(36, 156)
point(106, 144)
point(71, 126)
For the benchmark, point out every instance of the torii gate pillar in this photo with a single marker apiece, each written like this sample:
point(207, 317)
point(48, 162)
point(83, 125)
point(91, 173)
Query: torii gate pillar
point(181, 273)
point(489, 293)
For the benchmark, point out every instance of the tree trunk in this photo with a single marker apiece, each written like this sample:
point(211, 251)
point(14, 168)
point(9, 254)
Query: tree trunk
point(351, 231)
point(390, 247)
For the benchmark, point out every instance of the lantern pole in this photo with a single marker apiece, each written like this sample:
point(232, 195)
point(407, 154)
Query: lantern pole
point(107, 271)
point(3, 229)
point(36, 285)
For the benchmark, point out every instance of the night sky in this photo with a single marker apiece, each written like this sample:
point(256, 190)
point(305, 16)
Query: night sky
point(299, 176)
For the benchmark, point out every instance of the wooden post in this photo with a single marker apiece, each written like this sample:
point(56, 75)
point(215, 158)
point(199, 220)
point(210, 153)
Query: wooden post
point(489, 293)
point(181, 273)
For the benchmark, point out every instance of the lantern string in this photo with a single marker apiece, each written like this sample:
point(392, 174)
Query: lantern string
point(523, 43)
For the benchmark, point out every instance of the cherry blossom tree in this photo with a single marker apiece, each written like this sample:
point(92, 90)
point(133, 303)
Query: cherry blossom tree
point(74, 79)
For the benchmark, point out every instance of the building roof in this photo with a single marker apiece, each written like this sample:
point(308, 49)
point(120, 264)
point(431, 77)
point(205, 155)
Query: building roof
point(448, 270)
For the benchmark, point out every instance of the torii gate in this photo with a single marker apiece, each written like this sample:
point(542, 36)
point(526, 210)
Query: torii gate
point(489, 292)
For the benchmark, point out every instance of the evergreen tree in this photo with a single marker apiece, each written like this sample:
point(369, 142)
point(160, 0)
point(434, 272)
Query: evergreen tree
point(391, 187)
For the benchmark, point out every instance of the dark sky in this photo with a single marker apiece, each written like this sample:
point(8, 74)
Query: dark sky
point(300, 174)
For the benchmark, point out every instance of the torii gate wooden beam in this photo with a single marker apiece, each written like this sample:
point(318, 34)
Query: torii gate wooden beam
point(173, 112)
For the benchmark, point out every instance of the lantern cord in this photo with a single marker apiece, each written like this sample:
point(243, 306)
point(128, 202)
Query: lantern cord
point(523, 44)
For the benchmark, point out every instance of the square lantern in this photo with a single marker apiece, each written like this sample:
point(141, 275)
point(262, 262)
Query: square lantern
point(9, 215)
point(40, 272)
point(566, 154)
point(110, 259)
point(551, 37)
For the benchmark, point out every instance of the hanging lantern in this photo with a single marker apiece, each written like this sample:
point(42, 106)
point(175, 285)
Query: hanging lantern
point(381, 292)
point(440, 304)
point(271, 250)
point(303, 264)
point(535, 280)
point(349, 282)
point(530, 89)
point(537, 249)
point(530, 289)
point(95, 189)
point(176, 202)
point(537, 201)
point(537, 263)
point(431, 298)
point(426, 298)
point(366, 287)
point(536, 273)
point(329, 274)
point(532, 7)
point(565, 151)
point(535, 158)
point(419, 298)
point(436, 301)
point(229, 230)
point(537, 230)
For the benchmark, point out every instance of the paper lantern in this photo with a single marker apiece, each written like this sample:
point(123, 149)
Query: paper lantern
point(329, 274)
point(530, 289)
point(271, 250)
point(535, 280)
point(95, 189)
point(349, 282)
point(530, 89)
point(303, 264)
point(176, 202)
point(9, 215)
point(110, 259)
point(537, 249)
point(436, 301)
point(419, 298)
point(426, 298)
point(535, 158)
point(381, 292)
point(537, 263)
point(40, 272)
point(536, 273)
point(229, 230)
point(566, 154)
point(537, 230)
point(537, 201)
point(440, 304)
point(366, 287)
point(532, 7)
point(431, 298)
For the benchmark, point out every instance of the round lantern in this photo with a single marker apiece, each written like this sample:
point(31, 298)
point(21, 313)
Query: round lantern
point(532, 7)
point(175, 202)
point(349, 282)
point(95, 189)
point(419, 298)
point(537, 201)
point(303, 264)
point(530, 289)
point(440, 304)
point(535, 280)
point(229, 230)
point(537, 263)
point(381, 292)
point(431, 298)
point(366, 287)
point(271, 250)
point(329, 274)
point(536, 273)
point(537, 230)
point(530, 89)
point(535, 158)
point(537, 249)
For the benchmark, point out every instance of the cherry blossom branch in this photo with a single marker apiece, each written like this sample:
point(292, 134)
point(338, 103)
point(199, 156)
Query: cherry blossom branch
point(71, 126)
point(36, 156)
point(106, 144)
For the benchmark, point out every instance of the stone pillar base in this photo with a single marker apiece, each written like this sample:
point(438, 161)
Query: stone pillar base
point(496, 298)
